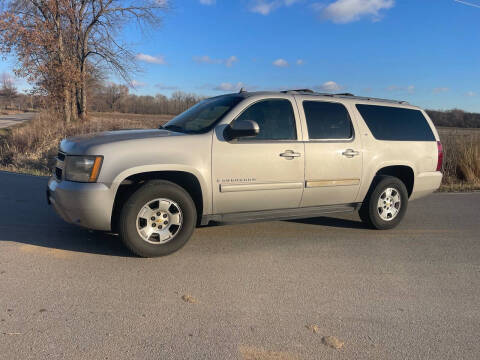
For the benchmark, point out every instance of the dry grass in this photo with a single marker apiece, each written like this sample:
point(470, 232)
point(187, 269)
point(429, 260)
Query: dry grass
point(462, 160)
point(10, 112)
point(31, 148)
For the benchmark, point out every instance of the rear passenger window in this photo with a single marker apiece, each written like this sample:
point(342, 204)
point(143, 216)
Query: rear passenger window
point(274, 118)
point(396, 124)
point(327, 121)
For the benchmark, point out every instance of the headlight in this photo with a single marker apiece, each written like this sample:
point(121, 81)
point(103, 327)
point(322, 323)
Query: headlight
point(83, 168)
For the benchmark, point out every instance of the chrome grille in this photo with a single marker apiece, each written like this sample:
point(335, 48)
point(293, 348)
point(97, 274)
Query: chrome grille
point(60, 165)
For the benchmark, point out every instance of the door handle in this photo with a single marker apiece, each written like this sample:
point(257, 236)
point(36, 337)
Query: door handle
point(290, 154)
point(350, 153)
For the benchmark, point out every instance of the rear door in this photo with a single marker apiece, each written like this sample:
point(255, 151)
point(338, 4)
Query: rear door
point(333, 153)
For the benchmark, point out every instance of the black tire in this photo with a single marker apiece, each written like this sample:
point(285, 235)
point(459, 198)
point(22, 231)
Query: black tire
point(369, 212)
point(152, 190)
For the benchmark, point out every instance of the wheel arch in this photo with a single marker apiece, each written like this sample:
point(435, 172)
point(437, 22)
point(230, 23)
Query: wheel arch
point(403, 172)
point(185, 179)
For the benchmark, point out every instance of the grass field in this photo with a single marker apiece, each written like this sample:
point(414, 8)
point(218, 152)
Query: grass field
point(32, 147)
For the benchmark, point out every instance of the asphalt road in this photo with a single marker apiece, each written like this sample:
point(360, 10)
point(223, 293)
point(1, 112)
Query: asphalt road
point(9, 120)
point(409, 293)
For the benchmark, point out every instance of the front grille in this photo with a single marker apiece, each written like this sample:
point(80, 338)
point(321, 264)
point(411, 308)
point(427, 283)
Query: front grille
point(58, 173)
point(59, 166)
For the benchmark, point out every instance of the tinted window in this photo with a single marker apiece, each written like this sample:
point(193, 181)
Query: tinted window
point(327, 120)
point(203, 116)
point(390, 123)
point(275, 119)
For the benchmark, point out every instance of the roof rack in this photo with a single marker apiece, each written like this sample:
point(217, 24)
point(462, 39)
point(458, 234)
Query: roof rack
point(342, 96)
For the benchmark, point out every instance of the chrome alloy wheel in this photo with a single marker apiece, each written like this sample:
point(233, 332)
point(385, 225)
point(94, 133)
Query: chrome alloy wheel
point(389, 204)
point(159, 221)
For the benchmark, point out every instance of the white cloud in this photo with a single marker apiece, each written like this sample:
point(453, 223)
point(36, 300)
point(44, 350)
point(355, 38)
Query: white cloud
point(265, 7)
point(230, 61)
point(137, 84)
point(208, 60)
point(345, 11)
point(471, 93)
point(280, 63)
point(300, 62)
point(467, 3)
point(165, 87)
point(439, 90)
point(329, 86)
point(408, 89)
point(208, 2)
point(160, 59)
point(226, 86)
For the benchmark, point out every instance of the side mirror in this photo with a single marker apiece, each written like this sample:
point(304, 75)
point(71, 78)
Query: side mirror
point(241, 128)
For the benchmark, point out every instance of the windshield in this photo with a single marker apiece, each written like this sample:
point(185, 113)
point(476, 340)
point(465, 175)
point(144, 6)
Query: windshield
point(203, 116)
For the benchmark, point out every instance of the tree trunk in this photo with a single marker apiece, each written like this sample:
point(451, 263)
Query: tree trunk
point(83, 97)
point(67, 110)
point(73, 105)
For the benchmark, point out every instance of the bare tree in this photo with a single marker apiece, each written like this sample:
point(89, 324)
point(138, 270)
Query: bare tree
point(96, 25)
point(8, 91)
point(114, 94)
point(60, 43)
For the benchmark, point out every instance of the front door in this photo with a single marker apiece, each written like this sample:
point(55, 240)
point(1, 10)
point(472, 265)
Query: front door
point(333, 154)
point(263, 172)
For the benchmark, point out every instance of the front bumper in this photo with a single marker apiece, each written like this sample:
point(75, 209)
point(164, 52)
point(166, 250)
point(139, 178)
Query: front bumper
point(86, 204)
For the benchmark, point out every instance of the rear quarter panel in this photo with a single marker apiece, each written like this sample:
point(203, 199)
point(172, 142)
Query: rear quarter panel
point(420, 156)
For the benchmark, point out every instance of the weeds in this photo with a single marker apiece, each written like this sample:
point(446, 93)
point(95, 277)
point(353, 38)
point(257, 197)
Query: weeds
point(32, 147)
point(462, 161)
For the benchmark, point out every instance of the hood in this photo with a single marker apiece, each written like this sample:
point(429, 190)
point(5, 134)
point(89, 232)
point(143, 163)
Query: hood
point(80, 144)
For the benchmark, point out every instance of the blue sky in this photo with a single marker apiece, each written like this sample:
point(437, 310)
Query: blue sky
point(424, 51)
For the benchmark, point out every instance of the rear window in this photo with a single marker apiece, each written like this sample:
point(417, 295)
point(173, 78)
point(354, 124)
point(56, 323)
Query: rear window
point(327, 121)
point(396, 124)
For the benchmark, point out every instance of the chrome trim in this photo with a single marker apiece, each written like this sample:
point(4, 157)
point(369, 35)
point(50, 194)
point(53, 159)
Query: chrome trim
point(327, 183)
point(224, 188)
point(350, 153)
point(290, 154)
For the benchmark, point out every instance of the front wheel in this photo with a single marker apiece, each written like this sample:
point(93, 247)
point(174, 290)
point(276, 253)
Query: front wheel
point(158, 219)
point(385, 204)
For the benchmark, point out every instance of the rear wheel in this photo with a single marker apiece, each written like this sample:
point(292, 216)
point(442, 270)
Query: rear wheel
point(385, 204)
point(158, 219)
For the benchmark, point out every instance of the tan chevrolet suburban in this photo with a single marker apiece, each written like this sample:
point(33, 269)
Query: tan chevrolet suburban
point(250, 156)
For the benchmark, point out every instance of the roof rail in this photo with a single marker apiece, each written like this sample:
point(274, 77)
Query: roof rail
point(343, 96)
point(298, 91)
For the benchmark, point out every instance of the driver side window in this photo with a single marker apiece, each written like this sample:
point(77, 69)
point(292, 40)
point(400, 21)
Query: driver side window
point(275, 119)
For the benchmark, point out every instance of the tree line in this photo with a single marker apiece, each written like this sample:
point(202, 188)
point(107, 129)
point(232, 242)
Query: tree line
point(116, 98)
point(455, 118)
point(62, 46)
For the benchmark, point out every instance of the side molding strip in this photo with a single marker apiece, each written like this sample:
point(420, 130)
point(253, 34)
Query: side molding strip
point(325, 183)
point(224, 188)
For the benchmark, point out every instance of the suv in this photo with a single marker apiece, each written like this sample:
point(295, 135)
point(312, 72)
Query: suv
point(249, 157)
